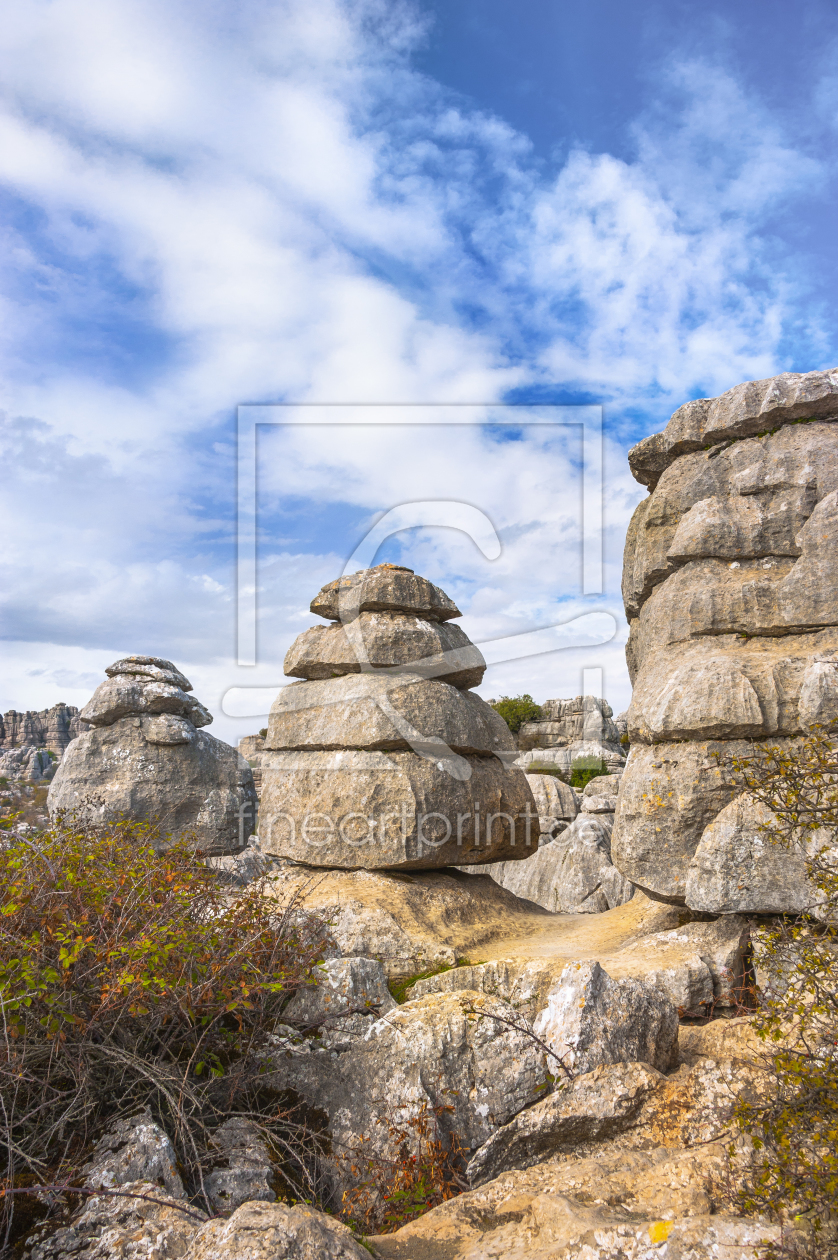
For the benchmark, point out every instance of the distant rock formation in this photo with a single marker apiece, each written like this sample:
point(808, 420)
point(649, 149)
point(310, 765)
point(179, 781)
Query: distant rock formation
point(27, 764)
point(382, 758)
point(730, 583)
point(48, 728)
point(145, 758)
point(581, 727)
point(572, 872)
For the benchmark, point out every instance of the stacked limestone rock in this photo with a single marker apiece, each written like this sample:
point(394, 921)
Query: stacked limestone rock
point(731, 586)
point(571, 729)
point(146, 758)
point(382, 757)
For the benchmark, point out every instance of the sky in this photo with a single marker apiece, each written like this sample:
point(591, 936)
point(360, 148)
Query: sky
point(440, 218)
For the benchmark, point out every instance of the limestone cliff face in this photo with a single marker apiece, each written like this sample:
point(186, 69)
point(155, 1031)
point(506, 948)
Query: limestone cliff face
point(49, 728)
point(730, 583)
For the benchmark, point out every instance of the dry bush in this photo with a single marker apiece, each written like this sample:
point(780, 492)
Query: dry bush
point(793, 1176)
point(131, 979)
point(427, 1171)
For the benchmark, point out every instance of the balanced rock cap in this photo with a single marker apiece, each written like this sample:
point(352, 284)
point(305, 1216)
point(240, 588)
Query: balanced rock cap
point(151, 667)
point(386, 588)
point(143, 685)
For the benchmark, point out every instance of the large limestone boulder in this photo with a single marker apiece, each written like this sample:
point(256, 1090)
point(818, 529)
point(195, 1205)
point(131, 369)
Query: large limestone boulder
point(381, 759)
point(573, 873)
point(151, 762)
point(731, 589)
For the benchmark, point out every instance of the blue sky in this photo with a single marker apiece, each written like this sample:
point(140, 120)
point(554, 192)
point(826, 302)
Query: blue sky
point(369, 202)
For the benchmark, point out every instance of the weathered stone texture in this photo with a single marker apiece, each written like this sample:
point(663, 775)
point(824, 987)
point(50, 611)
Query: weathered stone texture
point(573, 873)
point(382, 640)
point(376, 713)
point(386, 810)
point(730, 583)
point(145, 759)
point(386, 588)
point(381, 758)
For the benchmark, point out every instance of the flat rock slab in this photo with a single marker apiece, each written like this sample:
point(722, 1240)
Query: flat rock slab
point(381, 640)
point(424, 920)
point(399, 810)
point(375, 713)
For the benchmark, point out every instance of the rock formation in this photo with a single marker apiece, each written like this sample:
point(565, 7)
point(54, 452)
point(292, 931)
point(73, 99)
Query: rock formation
point(382, 757)
point(730, 584)
point(145, 758)
point(570, 729)
point(572, 871)
point(51, 729)
point(27, 764)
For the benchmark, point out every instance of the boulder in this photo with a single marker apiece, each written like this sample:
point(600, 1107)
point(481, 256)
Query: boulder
point(400, 642)
point(434, 1060)
point(381, 759)
point(151, 763)
point(134, 1149)
point(668, 795)
point(594, 1105)
point(245, 1170)
point(738, 869)
point(386, 588)
point(591, 1019)
point(380, 713)
point(574, 873)
point(142, 1222)
point(348, 996)
point(275, 1231)
point(376, 810)
point(556, 802)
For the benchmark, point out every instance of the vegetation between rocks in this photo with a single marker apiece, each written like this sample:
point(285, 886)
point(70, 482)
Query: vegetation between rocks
point(130, 979)
point(516, 710)
point(793, 1176)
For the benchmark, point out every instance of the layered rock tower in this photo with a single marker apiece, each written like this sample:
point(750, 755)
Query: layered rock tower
point(381, 757)
point(147, 758)
point(730, 584)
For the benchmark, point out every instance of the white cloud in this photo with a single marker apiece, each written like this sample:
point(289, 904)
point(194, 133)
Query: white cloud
point(264, 201)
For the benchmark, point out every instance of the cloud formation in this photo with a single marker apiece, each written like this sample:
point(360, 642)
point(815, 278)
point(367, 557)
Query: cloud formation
point(265, 201)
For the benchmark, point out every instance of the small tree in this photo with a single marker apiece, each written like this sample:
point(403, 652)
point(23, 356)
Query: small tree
point(793, 1175)
point(516, 710)
point(585, 768)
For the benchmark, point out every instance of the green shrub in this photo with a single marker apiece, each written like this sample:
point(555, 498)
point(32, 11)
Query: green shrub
point(129, 979)
point(516, 710)
point(263, 733)
point(583, 769)
point(793, 1175)
point(544, 767)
